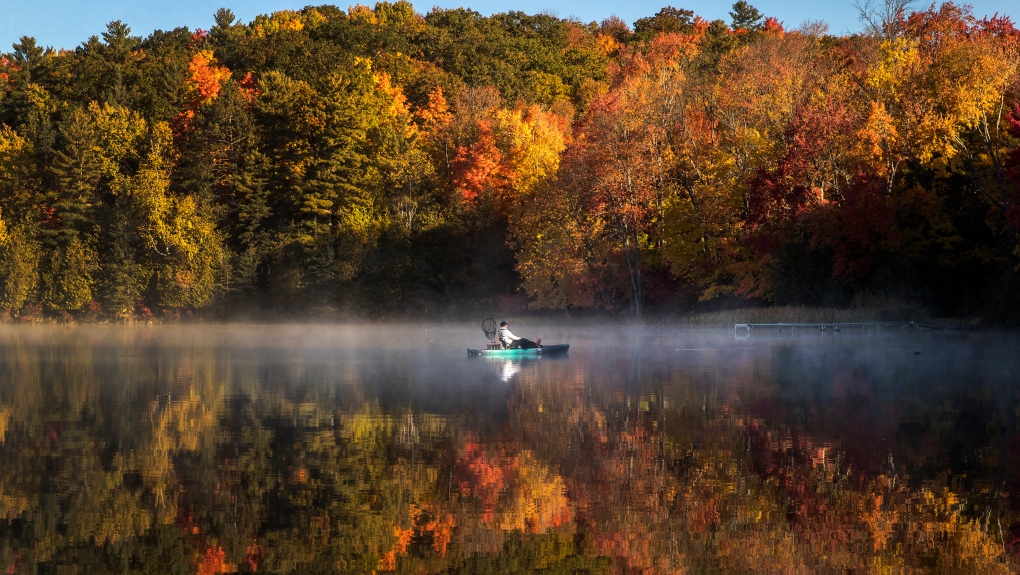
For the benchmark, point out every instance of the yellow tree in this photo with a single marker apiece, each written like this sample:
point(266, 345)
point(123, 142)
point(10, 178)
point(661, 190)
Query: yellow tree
point(697, 183)
point(943, 78)
point(182, 247)
point(19, 250)
point(531, 140)
point(406, 165)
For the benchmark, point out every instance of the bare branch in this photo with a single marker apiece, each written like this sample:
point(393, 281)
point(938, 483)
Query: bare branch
point(883, 18)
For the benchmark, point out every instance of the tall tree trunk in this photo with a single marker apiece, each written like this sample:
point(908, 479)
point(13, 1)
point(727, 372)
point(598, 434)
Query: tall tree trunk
point(634, 272)
point(638, 300)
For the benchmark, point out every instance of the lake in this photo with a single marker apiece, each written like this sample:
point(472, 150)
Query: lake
point(379, 449)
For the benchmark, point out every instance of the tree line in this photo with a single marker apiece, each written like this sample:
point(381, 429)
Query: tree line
point(379, 161)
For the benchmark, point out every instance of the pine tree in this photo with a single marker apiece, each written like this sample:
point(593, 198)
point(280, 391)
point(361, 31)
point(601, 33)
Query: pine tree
point(122, 278)
point(746, 17)
point(29, 56)
point(78, 168)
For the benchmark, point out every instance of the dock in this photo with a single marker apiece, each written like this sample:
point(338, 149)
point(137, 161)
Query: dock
point(876, 327)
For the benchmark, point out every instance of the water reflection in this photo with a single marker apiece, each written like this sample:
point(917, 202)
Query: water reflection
point(359, 450)
point(509, 369)
point(506, 368)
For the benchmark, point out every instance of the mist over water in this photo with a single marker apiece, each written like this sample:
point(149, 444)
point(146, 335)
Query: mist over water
point(361, 448)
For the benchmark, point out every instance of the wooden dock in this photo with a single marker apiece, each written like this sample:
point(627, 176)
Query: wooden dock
point(877, 327)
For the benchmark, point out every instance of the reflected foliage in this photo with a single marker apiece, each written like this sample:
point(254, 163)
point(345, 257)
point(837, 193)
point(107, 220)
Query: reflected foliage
point(177, 451)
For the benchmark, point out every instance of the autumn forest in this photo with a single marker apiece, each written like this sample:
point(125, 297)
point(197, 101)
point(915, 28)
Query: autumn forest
point(379, 162)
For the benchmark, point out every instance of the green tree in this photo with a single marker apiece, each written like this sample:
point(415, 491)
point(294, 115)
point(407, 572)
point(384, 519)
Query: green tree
point(123, 277)
point(669, 20)
point(718, 41)
point(746, 17)
point(97, 143)
point(30, 57)
point(222, 165)
point(26, 102)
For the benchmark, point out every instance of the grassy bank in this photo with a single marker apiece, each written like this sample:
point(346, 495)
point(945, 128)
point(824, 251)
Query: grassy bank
point(866, 310)
point(804, 314)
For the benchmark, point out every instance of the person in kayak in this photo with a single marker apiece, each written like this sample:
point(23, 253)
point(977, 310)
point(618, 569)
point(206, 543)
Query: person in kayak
point(511, 341)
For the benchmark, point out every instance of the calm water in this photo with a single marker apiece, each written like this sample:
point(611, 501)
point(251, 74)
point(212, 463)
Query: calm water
point(366, 449)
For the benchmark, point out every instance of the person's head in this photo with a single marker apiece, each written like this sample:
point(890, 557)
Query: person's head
point(502, 324)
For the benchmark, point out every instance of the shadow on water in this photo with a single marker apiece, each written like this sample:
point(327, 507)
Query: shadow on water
point(362, 449)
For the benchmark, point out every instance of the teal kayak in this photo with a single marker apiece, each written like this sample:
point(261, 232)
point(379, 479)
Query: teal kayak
point(541, 350)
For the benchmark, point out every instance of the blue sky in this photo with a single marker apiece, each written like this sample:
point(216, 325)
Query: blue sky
point(68, 23)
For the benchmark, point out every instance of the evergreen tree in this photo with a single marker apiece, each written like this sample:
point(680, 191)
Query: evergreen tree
point(78, 169)
point(224, 167)
point(30, 57)
point(122, 279)
point(718, 42)
point(746, 17)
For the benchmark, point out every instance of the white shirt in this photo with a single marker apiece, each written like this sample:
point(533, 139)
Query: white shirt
point(506, 336)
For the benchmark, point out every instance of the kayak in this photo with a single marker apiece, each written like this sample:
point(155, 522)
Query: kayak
point(541, 350)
